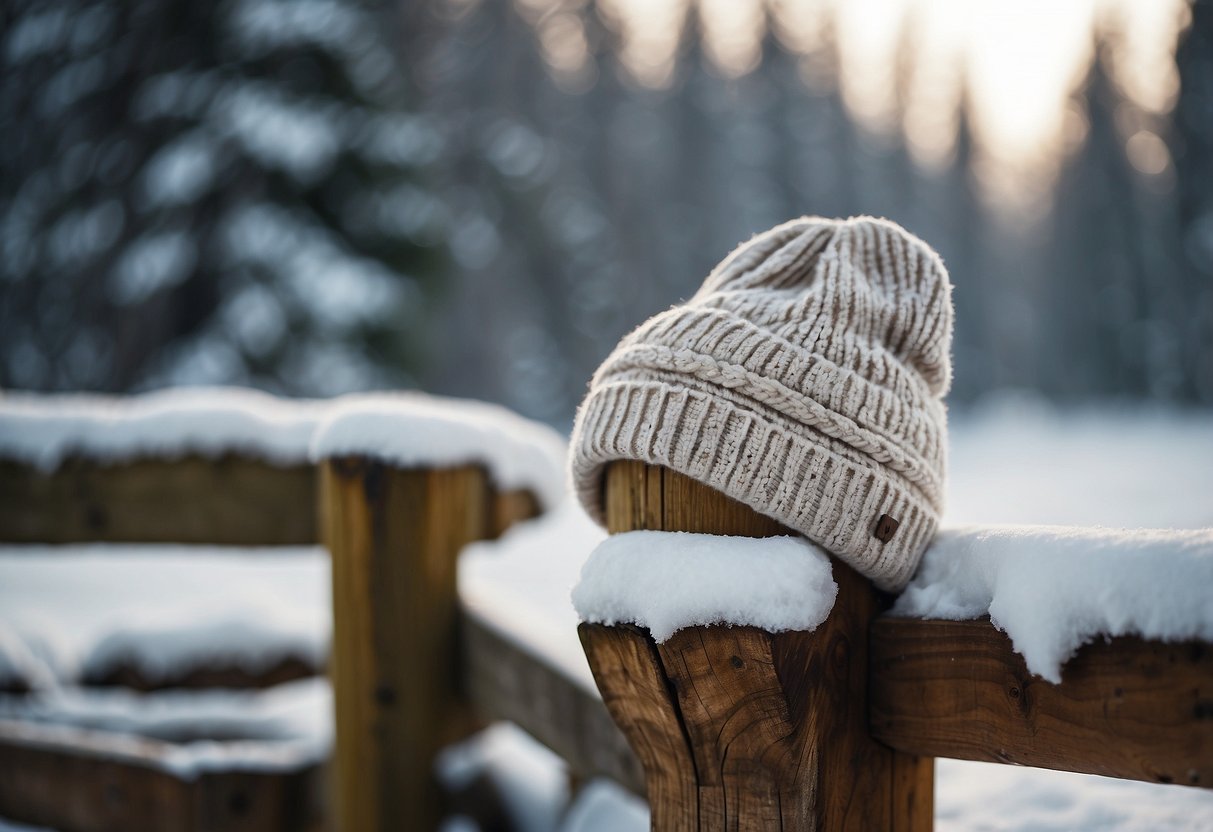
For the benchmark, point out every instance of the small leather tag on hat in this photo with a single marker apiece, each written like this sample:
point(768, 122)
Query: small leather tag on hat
point(886, 527)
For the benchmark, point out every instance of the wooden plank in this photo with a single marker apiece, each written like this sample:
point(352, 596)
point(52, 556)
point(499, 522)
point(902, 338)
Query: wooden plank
point(510, 507)
point(1125, 708)
point(394, 536)
point(213, 673)
point(91, 781)
point(742, 728)
point(506, 681)
point(229, 500)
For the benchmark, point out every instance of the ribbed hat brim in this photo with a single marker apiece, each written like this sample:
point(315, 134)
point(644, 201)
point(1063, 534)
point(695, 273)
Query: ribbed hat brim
point(800, 477)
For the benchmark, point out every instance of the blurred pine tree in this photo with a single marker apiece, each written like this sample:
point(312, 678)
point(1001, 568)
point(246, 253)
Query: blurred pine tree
point(227, 192)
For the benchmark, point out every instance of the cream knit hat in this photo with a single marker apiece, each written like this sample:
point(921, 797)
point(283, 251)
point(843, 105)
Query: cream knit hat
point(804, 379)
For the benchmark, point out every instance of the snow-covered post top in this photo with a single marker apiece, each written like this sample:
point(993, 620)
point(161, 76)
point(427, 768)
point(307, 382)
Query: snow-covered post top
point(738, 726)
point(411, 430)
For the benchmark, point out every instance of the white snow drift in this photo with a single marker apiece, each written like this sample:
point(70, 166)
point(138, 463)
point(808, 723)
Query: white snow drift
point(44, 430)
point(1054, 588)
point(404, 428)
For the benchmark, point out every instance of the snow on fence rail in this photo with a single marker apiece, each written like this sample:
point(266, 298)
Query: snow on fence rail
point(237, 467)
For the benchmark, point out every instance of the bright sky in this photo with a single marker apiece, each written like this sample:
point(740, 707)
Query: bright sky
point(1022, 60)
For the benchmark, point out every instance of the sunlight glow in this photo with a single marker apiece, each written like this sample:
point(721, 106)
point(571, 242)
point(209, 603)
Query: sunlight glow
point(733, 31)
point(650, 31)
point(909, 65)
point(868, 32)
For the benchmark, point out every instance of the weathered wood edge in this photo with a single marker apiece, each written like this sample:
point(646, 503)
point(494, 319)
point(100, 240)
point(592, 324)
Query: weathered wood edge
point(225, 500)
point(1126, 707)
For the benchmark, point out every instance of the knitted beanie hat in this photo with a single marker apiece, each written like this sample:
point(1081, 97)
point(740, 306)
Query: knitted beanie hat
point(804, 379)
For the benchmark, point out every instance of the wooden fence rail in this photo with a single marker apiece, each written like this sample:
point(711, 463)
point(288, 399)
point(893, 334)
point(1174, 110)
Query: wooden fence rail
point(231, 501)
point(1127, 707)
point(394, 535)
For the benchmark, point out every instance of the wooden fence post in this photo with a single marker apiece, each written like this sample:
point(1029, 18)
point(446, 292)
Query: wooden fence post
point(394, 536)
point(738, 728)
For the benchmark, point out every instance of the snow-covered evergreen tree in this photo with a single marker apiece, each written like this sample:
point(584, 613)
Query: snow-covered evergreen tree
point(227, 192)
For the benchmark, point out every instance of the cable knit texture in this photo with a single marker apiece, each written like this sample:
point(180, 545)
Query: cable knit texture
point(804, 379)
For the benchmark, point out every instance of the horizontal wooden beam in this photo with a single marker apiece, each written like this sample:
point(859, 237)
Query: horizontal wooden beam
point(1126, 708)
point(207, 673)
point(506, 681)
point(90, 781)
point(230, 500)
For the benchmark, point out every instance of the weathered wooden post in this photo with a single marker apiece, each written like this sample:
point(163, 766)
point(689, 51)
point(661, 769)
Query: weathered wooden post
point(739, 728)
point(394, 536)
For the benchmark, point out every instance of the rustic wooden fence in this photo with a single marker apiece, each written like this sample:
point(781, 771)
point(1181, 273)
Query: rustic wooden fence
point(720, 728)
point(394, 534)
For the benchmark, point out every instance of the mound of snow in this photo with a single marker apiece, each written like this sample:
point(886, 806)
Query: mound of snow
point(533, 781)
point(44, 430)
point(670, 580)
point(411, 429)
point(1054, 588)
point(407, 428)
point(996, 798)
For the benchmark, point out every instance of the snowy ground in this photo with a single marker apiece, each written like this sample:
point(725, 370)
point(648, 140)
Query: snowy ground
point(60, 611)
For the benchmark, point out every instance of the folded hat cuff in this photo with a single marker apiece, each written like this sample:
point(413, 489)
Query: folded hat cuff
point(793, 476)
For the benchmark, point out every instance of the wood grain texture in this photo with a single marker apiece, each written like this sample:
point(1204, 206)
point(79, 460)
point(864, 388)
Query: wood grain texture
point(394, 536)
point(743, 729)
point(636, 693)
point(1125, 708)
point(506, 681)
point(230, 500)
point(121, 782)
